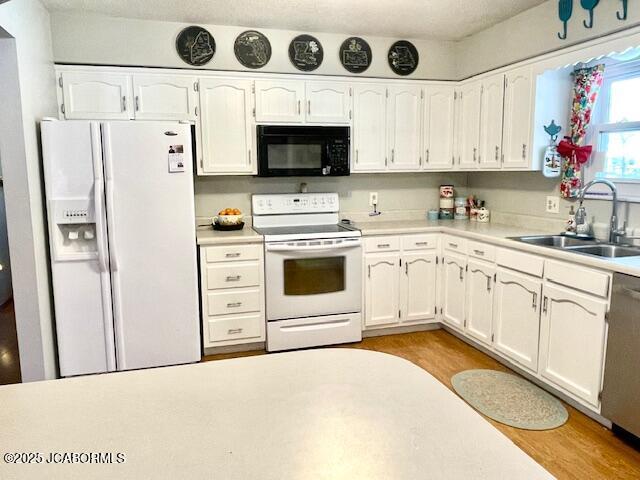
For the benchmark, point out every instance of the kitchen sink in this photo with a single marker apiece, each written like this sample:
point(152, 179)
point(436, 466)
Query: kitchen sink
point(558, 241)
point(606, 251)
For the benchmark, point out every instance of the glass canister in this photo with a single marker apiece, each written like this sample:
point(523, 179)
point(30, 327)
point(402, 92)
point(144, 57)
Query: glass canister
point(461, 210)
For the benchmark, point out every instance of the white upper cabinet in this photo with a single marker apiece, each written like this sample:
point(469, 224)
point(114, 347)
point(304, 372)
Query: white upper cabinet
point(492, 108)
point(369, 127)
point(279, 101)
point(439, 117)
point(382, 289)
point(96, 96)
point(418, 286)
point(518, 118)
point(572, 342)
point(165, 97)
point(468, 130)
point(479, 300)
point(517, 300)
point(404, 120)
point(227, 129)
point(328, 102)
point(453, 290)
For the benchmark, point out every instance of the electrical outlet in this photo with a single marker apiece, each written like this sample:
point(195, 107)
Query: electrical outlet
point(553, 204)
point(373, 198)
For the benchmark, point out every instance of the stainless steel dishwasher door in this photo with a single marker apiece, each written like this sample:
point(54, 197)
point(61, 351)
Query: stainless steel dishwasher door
point(621, 390)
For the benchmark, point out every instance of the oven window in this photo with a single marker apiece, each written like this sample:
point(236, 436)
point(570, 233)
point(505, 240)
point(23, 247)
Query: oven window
point(290, 156)
point(312, 276)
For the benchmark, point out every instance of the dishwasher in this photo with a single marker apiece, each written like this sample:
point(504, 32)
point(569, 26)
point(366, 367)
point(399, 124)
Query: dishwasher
point(621, 389)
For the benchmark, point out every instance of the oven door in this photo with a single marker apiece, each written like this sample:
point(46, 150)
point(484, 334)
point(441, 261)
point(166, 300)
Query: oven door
point(313, 278)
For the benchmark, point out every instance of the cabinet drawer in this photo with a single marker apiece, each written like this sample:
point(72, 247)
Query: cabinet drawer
point(382, 244)
point(419, 242)
point(481, 250)
point(454, 244)
point(225, 253)
point(233, 274)
point(225, 302)
point(579, 278)
point(237, 327)
point(521, 262)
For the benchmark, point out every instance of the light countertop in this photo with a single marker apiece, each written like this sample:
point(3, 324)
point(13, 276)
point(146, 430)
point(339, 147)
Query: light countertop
point(316, 414)
point(208, 236)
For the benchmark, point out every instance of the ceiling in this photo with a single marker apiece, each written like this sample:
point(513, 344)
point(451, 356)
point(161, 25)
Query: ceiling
point(426, 19)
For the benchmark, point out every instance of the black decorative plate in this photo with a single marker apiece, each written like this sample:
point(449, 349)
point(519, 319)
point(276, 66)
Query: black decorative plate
point(305, 52)
point(355, 55)
point(195, 45)
point(252, 49)
point(403, 57)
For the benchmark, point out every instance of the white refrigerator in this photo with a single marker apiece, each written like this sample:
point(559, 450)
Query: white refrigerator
point(120, 207)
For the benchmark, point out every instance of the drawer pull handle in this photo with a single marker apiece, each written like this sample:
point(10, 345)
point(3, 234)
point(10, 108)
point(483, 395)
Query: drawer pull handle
point(235, 278)
point(234, 305)
point(383, 245)
point(233, 331)
point(453, 245)
point(422, 243)
point(479, 252)
point(232, 255)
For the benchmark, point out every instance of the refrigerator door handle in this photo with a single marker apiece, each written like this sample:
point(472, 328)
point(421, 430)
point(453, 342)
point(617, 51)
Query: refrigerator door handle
point(113, 248)
point(101, 246)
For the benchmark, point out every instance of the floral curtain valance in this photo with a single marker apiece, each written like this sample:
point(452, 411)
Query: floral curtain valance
point(587, 83)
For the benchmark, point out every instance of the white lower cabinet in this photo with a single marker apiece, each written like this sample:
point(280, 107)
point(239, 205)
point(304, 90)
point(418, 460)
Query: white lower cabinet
point(453, 289)
point(572, 341)
point(382, 288)
point(479, 300)
point(418, 286)
point(517, 301)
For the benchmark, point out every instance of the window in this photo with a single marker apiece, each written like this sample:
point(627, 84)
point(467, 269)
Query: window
point(615, 131)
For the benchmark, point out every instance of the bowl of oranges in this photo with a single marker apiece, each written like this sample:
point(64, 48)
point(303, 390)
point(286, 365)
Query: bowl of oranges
point(228, 218)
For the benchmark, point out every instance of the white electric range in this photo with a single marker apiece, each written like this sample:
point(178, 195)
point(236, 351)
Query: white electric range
point(313, 271)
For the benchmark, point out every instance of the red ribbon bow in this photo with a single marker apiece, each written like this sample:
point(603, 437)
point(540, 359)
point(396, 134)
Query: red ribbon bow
point(570, 150)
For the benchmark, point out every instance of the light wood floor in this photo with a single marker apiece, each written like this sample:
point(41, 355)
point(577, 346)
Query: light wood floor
point(580, 449)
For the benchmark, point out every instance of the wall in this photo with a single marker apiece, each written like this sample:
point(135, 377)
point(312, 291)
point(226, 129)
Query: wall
point(535, 32)
point(397, 192)
point(101, 40)
point(24, 103)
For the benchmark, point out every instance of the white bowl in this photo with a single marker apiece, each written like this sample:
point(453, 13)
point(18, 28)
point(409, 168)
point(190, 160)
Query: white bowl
point(228, 219)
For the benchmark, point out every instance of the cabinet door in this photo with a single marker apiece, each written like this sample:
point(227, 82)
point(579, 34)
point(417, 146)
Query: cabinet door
point(382, 290)
point(479, 301)
point(518, 113)
point(572, 341)
point(404, 127)
point(369, 127)
point(328, 102)
point(517, 317)
point(164, 97)
point(453, 293)
point(468, 130)
point(226, 126)
point(439, 116)
point(279, 101)
point(492, 108)
point(96, 96)
point(418, 287)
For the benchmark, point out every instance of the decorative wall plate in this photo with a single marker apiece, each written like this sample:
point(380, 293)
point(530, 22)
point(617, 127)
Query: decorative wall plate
point(195, 45)
point(355, 55)
point(305, 53)
point(252, 49)
point(403, 57)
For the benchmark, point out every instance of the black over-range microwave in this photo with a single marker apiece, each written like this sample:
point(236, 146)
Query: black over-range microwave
point(293, 150)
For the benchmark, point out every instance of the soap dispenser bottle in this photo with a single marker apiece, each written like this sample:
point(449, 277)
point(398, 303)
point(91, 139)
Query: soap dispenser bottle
point(571, 221)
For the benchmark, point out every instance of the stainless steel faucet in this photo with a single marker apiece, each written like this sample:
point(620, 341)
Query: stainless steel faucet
point(614, 232)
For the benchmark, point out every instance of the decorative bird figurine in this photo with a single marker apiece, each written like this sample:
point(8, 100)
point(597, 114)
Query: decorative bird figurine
point(565, 10)
point(553, 130)
point(589, 5)
point(623, 15)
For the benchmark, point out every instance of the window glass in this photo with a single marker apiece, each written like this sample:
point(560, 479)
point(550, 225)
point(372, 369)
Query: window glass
point(624, 100)
point(312, 276)
point(621, 151)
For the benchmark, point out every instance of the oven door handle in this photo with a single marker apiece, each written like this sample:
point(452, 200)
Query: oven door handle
point(309, 248)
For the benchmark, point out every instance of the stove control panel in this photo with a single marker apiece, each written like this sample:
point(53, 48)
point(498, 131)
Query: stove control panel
point(281, 204)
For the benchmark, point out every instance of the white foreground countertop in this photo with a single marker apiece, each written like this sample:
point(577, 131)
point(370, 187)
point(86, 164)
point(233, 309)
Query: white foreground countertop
point(316, 414)
point(208, 236)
